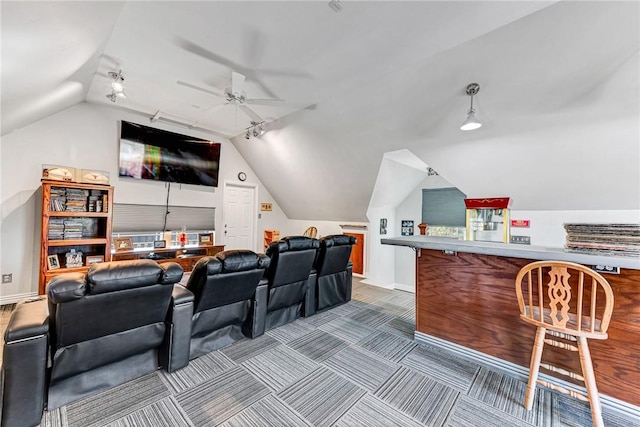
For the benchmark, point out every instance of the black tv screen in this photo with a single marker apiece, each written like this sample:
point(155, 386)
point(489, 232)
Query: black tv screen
point(159, 155)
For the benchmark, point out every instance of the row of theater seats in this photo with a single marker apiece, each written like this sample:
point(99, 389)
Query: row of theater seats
point(125, 319)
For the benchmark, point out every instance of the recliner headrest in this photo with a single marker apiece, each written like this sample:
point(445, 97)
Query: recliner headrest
point(241, 260)
point(299, 243)
point(337, 240)
point(292, 243)
point(118, 275)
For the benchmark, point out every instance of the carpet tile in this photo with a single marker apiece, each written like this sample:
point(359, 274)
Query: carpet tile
point(267, 412)
point(372, 412)
point(452, 371)
point(347, 329)
point(218, 399)
point(370, 317)
point(420, 397)
point(318, 345)
point(361, 367)
point(507, 394)
point(320, 318)
point(246, 349)
point(163, 413)
point(400, 326)
point(279, 367)
point(322, 397)
point(387, 345)
point(290, 331)
point(469, 412)
point(198, 370)
point(112, 404)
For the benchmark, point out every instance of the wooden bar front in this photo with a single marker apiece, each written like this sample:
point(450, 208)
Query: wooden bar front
point(469, 299)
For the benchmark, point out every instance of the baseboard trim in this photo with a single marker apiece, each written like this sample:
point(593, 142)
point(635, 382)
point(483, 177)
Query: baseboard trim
point(369, 282)
point(406, 288)
point(621, 407)
point(16, 298)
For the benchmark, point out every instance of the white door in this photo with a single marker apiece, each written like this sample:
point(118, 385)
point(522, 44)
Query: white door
point(239, 216)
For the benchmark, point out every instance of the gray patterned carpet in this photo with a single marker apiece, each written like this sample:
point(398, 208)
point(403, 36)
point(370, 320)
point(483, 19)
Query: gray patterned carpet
point(355, 365)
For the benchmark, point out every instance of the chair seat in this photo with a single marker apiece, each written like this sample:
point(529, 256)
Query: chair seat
point(571, 327)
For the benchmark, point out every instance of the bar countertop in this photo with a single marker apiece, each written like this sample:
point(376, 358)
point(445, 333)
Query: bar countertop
point(511, 250)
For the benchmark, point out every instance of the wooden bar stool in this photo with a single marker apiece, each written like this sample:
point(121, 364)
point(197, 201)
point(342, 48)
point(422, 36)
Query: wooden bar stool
point(571, 303)
point(311, 232)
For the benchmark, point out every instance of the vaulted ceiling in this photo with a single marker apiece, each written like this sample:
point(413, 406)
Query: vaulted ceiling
point(558, 99)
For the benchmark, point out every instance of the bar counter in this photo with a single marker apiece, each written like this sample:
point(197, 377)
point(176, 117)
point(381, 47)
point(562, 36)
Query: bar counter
point(465, 300)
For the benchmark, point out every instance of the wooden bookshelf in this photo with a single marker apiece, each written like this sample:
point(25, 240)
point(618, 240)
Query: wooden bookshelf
point(88, 225)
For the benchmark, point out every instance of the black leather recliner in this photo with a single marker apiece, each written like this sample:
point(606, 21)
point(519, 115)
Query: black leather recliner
point(121, 320)
point(230, 299)
point(289, 276)
point(334, 271)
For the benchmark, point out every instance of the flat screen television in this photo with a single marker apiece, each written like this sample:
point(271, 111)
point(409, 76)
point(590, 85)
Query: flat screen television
point(159, 155)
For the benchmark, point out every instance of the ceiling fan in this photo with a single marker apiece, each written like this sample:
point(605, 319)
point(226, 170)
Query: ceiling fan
point(235, 95)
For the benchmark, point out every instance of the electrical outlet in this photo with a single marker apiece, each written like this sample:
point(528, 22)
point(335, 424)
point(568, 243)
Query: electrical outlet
point(521, 240)
point(7, 278)
point(606, 269)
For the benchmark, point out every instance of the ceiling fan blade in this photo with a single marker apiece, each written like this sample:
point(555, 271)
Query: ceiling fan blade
point(271, 102)
point(237, 84)
point(252, 114)
point(212, 91)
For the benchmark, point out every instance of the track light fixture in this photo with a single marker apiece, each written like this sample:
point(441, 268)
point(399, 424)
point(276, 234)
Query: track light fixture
point(471, 122)
point(117, 86)
point(256, 128)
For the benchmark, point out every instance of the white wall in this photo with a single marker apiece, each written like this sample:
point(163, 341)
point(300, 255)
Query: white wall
point(86, 136)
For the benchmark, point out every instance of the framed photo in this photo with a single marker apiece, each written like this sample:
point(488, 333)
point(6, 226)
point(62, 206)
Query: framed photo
point(383, 225)
point(407, 228)
point(73, 259)
point(159, 244)
point(205, 239)
point(94, 259)
point(52, 262)
point(123, 244)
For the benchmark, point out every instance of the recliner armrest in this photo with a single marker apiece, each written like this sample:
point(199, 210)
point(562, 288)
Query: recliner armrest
point(259, 309)
point(25, 364)
point(309, 305)
point(29, 319)
point(181, 295)
point(174, 351)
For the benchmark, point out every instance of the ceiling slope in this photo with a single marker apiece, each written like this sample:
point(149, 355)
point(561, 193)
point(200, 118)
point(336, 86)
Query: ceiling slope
point(50, 54)
point(559, 102)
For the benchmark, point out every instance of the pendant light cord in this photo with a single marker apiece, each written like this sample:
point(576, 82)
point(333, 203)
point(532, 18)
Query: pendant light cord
point(166, 213)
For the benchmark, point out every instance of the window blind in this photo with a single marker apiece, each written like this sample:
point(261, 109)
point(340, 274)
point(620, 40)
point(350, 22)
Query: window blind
point(443, 206)
point(133, 218)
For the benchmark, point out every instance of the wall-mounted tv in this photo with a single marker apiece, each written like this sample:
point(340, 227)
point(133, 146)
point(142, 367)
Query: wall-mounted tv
point(159, 155)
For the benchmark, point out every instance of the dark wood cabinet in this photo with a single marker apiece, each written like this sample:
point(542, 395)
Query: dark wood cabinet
point(185, 256)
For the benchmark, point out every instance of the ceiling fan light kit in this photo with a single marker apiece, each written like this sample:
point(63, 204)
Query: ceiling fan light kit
point(471, 122)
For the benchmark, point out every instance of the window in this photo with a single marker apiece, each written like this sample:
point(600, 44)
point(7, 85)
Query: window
point(443, 207)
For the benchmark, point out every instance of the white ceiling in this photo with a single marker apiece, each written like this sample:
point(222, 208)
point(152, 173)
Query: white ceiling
point(374, 78)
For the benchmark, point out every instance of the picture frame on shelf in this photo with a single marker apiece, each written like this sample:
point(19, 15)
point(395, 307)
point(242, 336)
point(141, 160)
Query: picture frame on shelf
point(123, 244)
point(94, 259)
point(73, 259)
point(52, 262)
point(205, 239)
point(159, 244)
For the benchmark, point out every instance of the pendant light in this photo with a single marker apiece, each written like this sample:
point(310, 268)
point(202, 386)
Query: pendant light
point(471, 123)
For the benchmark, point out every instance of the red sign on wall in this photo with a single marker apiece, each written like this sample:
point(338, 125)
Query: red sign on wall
point(520, 223)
